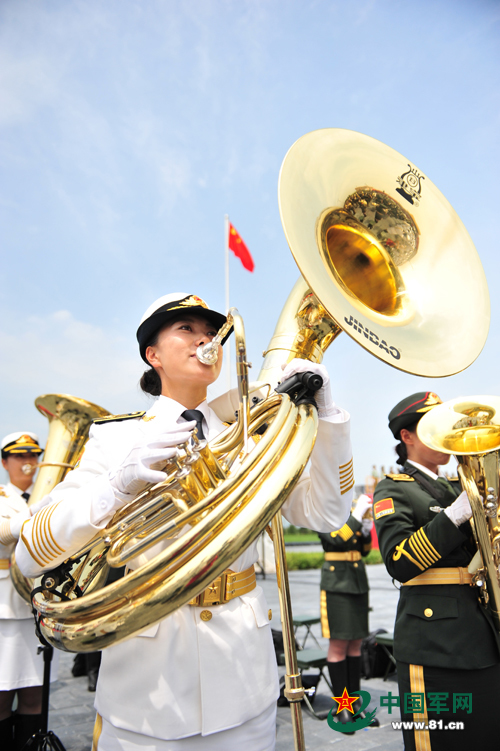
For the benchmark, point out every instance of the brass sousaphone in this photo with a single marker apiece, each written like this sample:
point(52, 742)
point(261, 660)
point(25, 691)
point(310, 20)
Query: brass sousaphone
point(384, 257)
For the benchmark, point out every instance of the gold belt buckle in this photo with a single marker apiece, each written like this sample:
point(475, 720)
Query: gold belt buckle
point(215, 593)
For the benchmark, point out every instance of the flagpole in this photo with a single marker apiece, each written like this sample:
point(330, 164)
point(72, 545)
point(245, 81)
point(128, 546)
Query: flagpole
point(228, 348)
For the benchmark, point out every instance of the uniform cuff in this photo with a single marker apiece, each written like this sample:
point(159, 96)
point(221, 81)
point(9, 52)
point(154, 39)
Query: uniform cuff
point(104, 502)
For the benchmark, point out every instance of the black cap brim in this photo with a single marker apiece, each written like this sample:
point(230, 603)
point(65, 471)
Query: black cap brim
point(165, 314)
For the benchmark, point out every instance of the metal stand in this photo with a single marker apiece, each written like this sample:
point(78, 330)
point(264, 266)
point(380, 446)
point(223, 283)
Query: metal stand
point(45, 740)
point(294, 691)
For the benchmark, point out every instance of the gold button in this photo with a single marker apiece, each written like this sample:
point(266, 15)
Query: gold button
point(428, 612)
point(270, 614)
point(355, 541)
point(332, 568)
point(355, 565)
point(205, 615)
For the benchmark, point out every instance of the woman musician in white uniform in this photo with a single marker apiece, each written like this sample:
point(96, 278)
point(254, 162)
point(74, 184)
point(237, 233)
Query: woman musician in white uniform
point(205, 677)
point(21, 668)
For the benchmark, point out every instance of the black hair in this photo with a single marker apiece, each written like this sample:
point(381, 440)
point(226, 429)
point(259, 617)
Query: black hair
point(401, 449)
point(150, 381)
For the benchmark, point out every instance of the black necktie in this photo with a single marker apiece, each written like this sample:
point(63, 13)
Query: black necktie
point(195, 414)
point(26, 496)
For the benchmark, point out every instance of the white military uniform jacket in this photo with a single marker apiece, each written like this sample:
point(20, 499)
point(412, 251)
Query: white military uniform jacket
point(184, 676)
point(11, 504)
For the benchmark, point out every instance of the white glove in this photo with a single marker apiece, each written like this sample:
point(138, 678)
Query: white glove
point(460, 510)
point(364, 502)
point(17, 522)
point(366, 526)
point(138, 469)
point(323, 397)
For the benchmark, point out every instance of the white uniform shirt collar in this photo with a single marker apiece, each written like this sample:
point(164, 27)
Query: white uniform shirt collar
point(425, 470)
point(14, 489)
point(169, 410)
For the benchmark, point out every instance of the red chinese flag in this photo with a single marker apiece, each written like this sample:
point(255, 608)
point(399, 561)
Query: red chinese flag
point(239, 249)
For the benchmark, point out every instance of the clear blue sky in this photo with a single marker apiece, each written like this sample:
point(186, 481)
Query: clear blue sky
point(128, 129)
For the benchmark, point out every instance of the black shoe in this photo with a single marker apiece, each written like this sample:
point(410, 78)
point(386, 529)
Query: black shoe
point(356, 706)
point(93, 675)
point(338, 678)
point(79, 666)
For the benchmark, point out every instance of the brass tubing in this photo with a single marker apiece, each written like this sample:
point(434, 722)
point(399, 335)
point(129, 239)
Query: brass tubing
point(212, 464)
point(93, 624)
point(284, 419)
point(202, 471)
point(483, 541)
point(117, 558)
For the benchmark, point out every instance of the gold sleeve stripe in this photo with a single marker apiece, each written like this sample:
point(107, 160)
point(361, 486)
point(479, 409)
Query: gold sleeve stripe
point(52, 551)
point(41, 528)
point(347, 477)
point(325, 626)
point(55, 546)
point(345, 532)
point(345, 489)
point(36, 535)
point(432, 550)
point(429, 549)
point(401, 551)
point(346, 484)
point(28, 546)
point(419, 552)
point(347, 471)
point(6, 538)
point(341, 466)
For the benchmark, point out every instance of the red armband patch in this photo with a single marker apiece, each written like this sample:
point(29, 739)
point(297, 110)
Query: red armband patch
point(383, 507)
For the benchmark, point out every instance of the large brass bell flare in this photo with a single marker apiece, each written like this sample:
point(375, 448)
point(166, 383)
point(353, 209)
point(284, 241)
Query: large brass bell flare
point(463, 426)
point(384, 252)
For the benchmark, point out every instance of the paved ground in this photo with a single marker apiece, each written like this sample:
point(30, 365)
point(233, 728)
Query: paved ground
point(71, 705)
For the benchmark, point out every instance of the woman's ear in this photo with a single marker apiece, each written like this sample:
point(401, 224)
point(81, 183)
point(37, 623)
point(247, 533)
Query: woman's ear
point(152, 357)
point(406, 436)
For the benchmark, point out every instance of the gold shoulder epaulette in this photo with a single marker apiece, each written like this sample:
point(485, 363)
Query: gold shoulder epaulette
point(453, 479)
point(401, 478)
point(2, 491)
point(118, 418)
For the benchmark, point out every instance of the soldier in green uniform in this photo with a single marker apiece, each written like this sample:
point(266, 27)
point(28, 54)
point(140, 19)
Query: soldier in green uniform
point(445, 643)
point(344, 600)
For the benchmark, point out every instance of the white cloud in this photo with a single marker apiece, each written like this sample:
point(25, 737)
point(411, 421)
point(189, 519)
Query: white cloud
point(59, 354)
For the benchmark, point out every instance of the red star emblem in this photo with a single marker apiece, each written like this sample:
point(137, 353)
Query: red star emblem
point(345, 701)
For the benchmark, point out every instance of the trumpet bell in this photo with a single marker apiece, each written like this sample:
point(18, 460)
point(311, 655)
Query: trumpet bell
point(384, 252)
